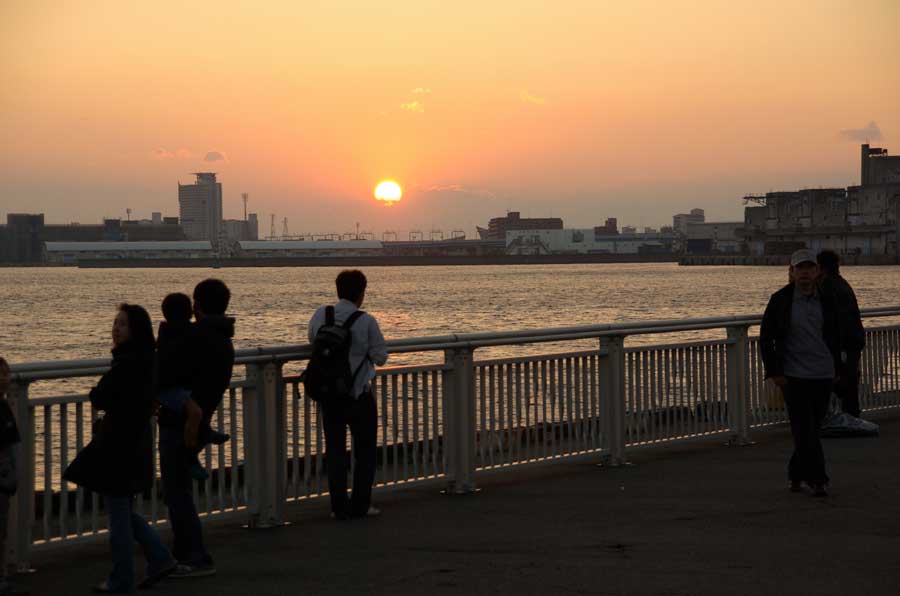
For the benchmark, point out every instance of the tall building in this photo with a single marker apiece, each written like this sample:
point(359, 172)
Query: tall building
point(200, 207)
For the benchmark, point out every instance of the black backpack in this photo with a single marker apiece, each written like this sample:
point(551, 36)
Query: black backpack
point(328, 376)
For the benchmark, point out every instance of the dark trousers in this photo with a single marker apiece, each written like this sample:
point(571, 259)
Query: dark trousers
point(174, 463)
point(847, 388)
point(361, 415)
point(807, 402)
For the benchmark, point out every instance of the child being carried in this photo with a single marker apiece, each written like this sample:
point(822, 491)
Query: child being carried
point(174, 378)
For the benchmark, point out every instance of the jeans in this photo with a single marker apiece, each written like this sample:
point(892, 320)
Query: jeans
point(174, 462)
point(807, 402)
point(361, 415)
point(847, 388)
point(173, 398)
point(125, 528)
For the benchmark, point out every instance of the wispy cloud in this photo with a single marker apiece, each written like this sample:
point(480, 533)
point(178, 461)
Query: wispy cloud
point(527, 97)
point(421, 91)
point(161, 153)
point(413, 106)
point(214, 156)
point(869, 133)
point(460, 189)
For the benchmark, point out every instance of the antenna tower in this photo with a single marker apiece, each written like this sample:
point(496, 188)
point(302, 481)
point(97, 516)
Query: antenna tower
point(244, 197)
point(128, 213)
point(284, 228)
point(272, 227)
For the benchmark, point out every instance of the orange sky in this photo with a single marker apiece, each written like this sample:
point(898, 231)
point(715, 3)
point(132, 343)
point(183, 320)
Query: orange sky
point(580, 109)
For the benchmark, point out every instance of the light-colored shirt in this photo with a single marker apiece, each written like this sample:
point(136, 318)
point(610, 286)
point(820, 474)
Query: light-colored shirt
point(367, 348)
point(806, 355)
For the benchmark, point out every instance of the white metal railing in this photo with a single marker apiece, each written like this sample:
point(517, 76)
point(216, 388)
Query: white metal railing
point(445, 422)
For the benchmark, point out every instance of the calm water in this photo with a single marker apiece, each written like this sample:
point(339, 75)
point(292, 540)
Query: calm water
point(65, 313)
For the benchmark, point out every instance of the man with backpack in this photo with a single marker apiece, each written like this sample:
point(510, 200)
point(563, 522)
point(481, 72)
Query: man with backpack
point(347, 344)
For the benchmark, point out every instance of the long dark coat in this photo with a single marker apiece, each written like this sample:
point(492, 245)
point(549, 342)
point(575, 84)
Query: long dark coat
point(119, 461)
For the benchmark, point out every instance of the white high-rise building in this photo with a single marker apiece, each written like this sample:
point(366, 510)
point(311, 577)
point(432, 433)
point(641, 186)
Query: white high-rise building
point(200, 207)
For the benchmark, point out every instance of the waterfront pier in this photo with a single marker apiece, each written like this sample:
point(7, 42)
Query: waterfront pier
point(530, 432)
point(697, 520)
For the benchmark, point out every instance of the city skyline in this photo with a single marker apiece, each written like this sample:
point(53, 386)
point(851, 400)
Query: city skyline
point(584, 113)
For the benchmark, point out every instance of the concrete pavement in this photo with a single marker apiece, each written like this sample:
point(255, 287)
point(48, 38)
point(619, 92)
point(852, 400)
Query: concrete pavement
point(695, 519)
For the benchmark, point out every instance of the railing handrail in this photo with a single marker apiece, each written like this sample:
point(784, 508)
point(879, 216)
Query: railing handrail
point(30, 371)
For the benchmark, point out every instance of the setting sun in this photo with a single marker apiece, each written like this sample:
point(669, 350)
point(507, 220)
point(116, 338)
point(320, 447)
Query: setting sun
point(388, 191)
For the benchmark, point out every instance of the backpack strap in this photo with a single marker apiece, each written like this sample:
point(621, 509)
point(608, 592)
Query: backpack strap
point(352, 319)
point(329, 316)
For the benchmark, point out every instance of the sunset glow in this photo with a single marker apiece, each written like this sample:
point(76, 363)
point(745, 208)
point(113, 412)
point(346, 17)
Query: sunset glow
point(388, 191)
point(586, 110)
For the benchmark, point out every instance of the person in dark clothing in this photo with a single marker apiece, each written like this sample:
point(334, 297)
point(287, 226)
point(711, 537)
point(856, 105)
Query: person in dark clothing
point(173, 373)
point(800, 344)
point(9, 438)
point(118, 462)
point(210, 367)
point(358, 411)
point(853, 335)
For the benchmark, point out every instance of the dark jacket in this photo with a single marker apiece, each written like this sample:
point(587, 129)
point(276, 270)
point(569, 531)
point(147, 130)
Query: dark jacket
point(853, 335)
point(173, 355)
point(119, 461)
point(776, 324)
point(211, 360)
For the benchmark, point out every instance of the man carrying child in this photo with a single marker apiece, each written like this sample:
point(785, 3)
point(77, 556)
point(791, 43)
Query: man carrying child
point(206, 352)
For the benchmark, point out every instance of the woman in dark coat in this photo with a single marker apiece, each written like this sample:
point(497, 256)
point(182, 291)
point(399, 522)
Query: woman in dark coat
point(118, 462)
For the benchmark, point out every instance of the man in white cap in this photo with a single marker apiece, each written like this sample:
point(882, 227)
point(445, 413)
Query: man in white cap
point(800, 345)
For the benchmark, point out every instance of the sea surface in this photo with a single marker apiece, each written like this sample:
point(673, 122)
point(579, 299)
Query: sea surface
point(67, 313)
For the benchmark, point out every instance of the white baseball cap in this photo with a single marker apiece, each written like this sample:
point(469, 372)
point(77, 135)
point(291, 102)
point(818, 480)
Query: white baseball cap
point(802, 256)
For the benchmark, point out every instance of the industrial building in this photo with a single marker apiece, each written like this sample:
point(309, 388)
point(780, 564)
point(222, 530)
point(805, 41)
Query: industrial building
point(681, 221)
point(308, 248)
point(586, 241)
point(499, 226)
point(859, 220)
point(70, 253)
point(23, 237)
point(713, 237)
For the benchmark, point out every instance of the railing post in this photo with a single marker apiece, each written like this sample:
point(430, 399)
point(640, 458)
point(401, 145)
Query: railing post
point(21, 505)
point(612, 383)
point(264, 445)
point(738, 371)
point(459, 420)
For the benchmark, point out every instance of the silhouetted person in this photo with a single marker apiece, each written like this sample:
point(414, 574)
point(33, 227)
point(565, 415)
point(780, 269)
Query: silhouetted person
point(210, 367)
point(358, 409)
point(174, 374)
point(800, 344)
point(118, 462)
point(853, 335)
point(9, 438)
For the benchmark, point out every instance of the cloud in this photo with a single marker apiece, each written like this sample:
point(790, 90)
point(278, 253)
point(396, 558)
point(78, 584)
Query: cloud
point(161, 153)
point(527, 97)
point(421, 91)
point(869, 133)
point(459, 188)
point(214, 156)
point(413, 106)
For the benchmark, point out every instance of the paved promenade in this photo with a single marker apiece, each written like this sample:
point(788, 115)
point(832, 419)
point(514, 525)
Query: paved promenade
point(701, 519)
